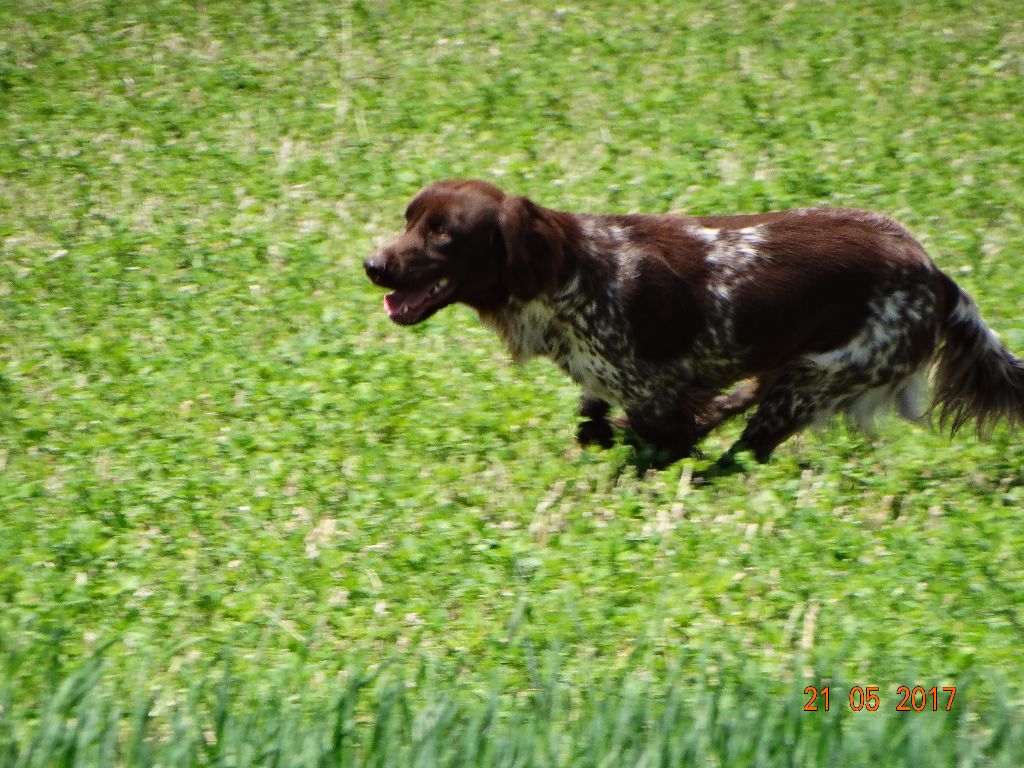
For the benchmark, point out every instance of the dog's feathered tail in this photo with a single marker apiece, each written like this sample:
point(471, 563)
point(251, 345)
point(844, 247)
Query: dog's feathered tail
point(976, 377)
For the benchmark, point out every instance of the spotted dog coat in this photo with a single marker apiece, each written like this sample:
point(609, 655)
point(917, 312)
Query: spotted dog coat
point(812, 312)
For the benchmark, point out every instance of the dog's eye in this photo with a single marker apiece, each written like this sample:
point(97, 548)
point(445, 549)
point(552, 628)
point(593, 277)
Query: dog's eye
point(439, 231)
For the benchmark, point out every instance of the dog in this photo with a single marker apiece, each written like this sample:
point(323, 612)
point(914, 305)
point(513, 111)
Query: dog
point(806, 313)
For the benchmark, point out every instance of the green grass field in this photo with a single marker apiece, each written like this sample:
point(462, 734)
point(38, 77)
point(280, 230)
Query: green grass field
point(245, 520)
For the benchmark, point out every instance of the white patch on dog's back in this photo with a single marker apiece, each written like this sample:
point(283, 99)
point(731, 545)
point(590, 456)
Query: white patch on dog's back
point(733, 257)
point(708, 234)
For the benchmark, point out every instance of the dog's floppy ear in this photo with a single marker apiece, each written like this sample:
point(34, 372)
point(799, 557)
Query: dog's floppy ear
point(536, 248)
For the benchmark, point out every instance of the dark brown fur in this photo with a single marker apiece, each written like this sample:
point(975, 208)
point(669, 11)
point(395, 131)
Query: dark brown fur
point(814, 311)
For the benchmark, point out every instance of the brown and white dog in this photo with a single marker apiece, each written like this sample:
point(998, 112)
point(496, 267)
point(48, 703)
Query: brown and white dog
point(812, 311)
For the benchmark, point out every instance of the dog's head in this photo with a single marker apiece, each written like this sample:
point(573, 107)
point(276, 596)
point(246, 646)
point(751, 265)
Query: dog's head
point(465, 240)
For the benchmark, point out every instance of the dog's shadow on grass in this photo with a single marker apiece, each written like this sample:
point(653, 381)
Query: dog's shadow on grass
point(644, 458)
point(726, 466)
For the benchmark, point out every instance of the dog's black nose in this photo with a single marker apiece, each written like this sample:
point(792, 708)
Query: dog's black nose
point(374, 267)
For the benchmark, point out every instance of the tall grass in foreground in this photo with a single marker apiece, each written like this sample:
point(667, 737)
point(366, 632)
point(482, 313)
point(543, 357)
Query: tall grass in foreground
point(381, 718)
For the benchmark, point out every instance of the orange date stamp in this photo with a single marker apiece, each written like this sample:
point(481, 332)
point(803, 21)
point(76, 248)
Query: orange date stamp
point(866, 698)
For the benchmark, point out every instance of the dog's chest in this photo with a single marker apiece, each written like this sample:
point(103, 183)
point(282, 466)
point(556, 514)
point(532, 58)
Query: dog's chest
point(589, 340)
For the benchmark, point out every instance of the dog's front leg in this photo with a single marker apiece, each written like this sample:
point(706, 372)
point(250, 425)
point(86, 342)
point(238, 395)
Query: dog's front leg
point(674, 433)
point(595, 428)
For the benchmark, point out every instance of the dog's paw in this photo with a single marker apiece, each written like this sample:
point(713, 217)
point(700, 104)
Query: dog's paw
point(595, 432)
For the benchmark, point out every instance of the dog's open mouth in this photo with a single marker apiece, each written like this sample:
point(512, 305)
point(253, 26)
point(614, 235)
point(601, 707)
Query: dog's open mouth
point(408, 307)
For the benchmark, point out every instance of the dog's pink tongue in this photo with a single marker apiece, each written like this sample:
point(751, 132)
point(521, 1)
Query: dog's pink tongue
point(401, 302)
point(393, 303)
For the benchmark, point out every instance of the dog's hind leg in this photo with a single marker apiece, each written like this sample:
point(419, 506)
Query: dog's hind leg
point(883, 362)
point(794, 400)
point(728, 405)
